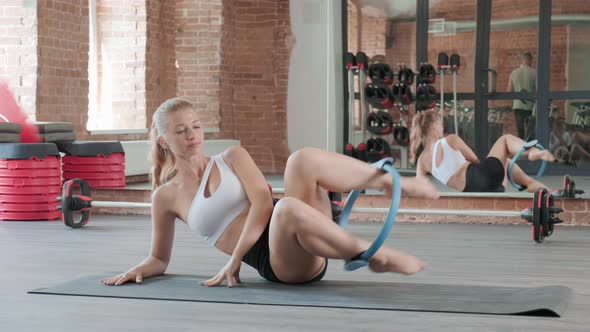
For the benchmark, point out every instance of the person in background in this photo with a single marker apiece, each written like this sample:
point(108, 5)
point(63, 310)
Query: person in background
point(523, 79)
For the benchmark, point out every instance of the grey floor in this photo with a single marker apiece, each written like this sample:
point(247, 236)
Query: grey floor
point(41, 254)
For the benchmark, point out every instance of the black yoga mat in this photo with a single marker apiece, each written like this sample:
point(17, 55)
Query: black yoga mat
point(538, 301)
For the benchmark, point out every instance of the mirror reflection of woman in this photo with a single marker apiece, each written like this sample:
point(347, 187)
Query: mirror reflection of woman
point(453, 163)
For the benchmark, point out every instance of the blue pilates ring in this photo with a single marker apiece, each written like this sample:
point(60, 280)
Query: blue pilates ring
point(385, 165)
point(531, 144)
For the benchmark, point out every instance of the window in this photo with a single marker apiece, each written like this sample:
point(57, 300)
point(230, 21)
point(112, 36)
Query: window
point(117, 65)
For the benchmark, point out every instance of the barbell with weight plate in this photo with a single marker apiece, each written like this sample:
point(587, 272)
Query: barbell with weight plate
point(542, 215)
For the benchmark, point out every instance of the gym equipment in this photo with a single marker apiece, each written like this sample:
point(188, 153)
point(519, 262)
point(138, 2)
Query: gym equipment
point(361, 260)
point(426, 74)
point(541, 214)
point(405, 75)
point(527, 146)
point(381, 73)
point(402, 94)
point(443, 65)
point(380, 123)
point(425, 97)
point(379, 95)
point(356, 64)
point(350, 61)
point(28, 173)
point(461, 298)
point(569, 189)
point(94, 155)
point(455, 63)
point(401, 135)
point(362, 61)
point(377, 149)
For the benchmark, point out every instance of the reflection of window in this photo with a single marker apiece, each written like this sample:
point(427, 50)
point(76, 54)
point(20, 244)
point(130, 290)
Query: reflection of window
point(117, 65)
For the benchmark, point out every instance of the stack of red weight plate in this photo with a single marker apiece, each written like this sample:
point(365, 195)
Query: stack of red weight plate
point(100, 163)
point(30, 181)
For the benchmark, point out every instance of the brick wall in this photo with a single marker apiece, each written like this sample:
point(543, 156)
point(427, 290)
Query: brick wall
point(198, 54)
point(62, 55)
point(160, 83)
point(18, 52)
point(254, 76)
point(121, 65)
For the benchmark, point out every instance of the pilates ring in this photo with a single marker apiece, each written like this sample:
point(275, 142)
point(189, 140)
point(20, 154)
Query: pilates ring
point(384, 165)
point(528, 145)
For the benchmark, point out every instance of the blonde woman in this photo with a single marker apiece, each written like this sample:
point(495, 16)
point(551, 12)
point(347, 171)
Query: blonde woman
point(225, 198)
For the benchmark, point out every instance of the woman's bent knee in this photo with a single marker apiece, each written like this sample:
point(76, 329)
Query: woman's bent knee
point(284, 213)
point(301, 157)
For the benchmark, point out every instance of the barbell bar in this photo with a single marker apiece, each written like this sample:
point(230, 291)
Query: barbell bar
point(115, 204)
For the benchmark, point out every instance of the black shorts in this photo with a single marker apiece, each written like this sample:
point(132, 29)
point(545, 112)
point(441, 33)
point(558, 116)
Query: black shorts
point(487, 176)
point(258, 257)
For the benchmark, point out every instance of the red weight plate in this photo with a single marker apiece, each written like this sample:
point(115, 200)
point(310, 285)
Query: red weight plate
point(40, 198)
point(42, 215)
point(93, 168)
point(30, 173)
point(28, 207)
point(24, 182)
point(54, 189)
point(94, 175)
point(48, 162)
point(115, 158)
point(106, 183)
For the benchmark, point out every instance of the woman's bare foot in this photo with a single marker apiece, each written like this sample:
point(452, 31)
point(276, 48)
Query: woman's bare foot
point(418, 186)
point(390, 260)
point(536, 154)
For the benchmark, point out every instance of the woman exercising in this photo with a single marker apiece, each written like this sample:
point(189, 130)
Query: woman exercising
point(226, 199)
point(454, 164)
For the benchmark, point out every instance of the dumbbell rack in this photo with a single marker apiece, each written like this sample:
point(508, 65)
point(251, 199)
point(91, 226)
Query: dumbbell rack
point(354, 138)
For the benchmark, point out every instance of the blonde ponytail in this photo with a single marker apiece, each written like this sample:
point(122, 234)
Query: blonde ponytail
point(163, 160)
point(421, 123)
point(416, 138)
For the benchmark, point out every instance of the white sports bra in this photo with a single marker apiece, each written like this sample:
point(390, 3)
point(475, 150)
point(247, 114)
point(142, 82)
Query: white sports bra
point(212, 215)
point(452, 161)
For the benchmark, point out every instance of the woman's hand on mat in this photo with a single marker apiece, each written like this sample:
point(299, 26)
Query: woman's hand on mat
point(230, 272)
point(120, 279)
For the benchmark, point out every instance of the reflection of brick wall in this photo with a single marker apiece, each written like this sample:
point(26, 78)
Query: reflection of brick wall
point(403, 44)
point(18, 54)
point(372, 37)
point(353, 26)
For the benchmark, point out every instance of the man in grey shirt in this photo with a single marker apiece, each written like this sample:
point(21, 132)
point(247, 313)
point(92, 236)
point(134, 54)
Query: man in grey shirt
point(523, 79)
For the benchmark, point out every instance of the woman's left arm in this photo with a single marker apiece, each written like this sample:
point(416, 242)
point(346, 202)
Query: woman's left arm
point(260, 211)
point(258, 194)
